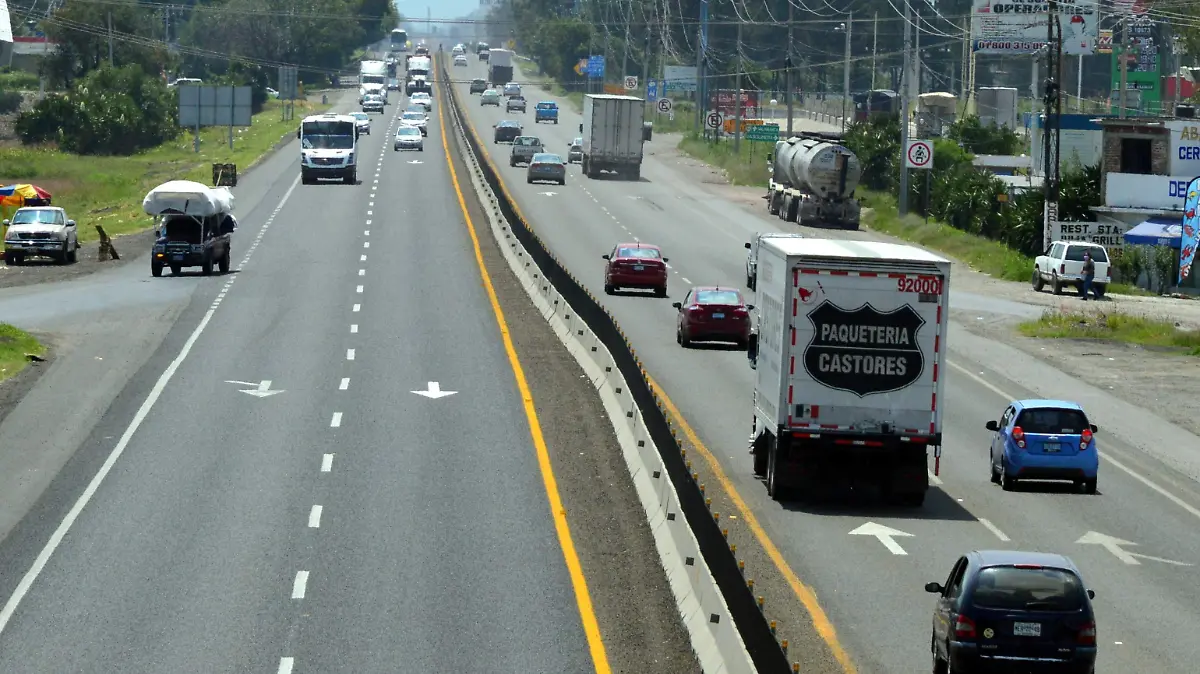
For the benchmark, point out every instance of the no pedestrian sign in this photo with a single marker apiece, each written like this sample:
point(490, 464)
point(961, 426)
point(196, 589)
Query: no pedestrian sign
point(918, 155)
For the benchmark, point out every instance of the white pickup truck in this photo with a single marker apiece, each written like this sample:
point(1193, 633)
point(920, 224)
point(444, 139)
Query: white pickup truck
point(1062, 264)
point(40, 231)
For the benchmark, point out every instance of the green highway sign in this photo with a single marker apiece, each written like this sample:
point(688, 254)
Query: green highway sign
point(766, 133)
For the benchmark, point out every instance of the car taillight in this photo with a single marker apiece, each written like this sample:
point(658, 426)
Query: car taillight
point(741, 312)
point(1018, 437)
point(1085, 439)
point(964, 627)
point(1087, 634)
point(1062, 268)
point(695, 307)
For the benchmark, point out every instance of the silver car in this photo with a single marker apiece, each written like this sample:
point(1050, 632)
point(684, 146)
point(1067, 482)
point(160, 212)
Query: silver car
point(372, 103)
point(363, 121)
point(409, 138)
point(575, 151)
point(490, 97)
point(415, 119)
point(546, 167)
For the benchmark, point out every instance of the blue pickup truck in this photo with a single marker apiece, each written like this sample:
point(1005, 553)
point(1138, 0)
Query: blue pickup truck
point(546, 111)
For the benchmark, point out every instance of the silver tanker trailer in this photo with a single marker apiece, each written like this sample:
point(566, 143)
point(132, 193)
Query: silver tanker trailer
point(812, 183)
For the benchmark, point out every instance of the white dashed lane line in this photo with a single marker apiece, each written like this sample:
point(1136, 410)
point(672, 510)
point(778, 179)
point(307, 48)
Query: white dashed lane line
point(344, 384)
point(300, 585)
point(349, 354)
point(327, 463)
point(314, 517)
point(354, 328)
point(994, 529)
point(362, 258)
point(360, 289)
point(357, 308)
point(286, 665)
point(336, 421)
point(362, 272)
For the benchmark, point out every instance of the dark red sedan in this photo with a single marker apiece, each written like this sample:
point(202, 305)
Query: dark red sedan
point(713, 314)
point(636, 265)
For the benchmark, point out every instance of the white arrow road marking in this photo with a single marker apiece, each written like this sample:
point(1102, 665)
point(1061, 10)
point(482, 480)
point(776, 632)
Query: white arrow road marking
point(416, 161)
point(884, 534)
point(261, 389)
point(549, 194)
point(1115, 546)
point(435, 391)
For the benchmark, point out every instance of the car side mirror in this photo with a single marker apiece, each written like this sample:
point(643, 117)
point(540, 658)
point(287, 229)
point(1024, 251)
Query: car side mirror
point(1095, 429)
point(1091, 594)
point(7, 223)
point(752, 351)
point(747, 245)
point(749, 307)
point(934, 588)
point(677, 305)
point(992, 426)
point(70, 223)
point(666, 260)
point(606, 257)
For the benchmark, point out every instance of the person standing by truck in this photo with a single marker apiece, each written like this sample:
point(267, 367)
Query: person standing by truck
point(1089, 275)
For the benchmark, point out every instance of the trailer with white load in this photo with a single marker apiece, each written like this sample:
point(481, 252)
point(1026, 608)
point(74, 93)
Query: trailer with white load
point(812, 182)
point(850, 359)
point(612, 135)
point(372, 79)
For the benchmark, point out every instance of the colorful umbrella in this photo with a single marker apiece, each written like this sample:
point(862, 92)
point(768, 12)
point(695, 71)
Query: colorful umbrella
point(22, 195)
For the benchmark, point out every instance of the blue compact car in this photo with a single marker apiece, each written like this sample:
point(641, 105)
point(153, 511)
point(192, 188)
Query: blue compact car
point(1011, 611)
point(1044, 440)
point(546, 111)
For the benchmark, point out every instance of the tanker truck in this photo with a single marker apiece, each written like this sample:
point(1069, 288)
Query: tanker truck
point(812, 183)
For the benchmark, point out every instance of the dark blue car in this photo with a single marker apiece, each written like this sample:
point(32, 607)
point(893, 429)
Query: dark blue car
point(1013, 612)
point(546, 111)
point(1044, 440)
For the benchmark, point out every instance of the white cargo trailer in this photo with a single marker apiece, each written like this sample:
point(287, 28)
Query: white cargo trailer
point(850, 355)
point(612, 135)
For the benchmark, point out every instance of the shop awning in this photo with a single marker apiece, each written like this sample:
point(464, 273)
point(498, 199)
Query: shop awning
point(1156, 232)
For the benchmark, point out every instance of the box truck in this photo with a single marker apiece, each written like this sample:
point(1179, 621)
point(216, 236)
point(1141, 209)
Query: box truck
point(612, 135)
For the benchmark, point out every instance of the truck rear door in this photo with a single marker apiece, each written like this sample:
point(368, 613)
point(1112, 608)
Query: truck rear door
point(867, 346)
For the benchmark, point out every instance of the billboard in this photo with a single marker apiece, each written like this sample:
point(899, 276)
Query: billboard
point(680, 78)
point(1019, 26)
point(723, 101)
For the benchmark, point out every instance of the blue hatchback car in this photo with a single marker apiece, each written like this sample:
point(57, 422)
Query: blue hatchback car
point(1013, 612)
point(1044, 440)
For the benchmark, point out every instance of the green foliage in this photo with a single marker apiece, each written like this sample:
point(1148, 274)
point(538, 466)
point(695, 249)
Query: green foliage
point(111, 111)
point(18, 80)
point(81, 31)
point(979, 139)
point(10, 102)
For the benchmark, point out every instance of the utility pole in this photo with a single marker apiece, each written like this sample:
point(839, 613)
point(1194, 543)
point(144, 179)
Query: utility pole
point(737, 95)
point(1052, 129)
point(1125, 45)
point(787, 71)
point(902, 201)
point(874, 55)
point(846, 70)
point(916, 57)
point(110, 41)
point(625, 55)
point(701, 75)
point(646, 55)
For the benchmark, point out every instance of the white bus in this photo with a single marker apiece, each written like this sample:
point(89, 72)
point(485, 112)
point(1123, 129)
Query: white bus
point(399, 40)
point(328, 148)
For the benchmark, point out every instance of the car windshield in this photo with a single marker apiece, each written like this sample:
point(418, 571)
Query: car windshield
point(506, 124)
point(360, 116)
point(414, 116)
point(1052, 421)
point(408, 131)
point(1012, 588)
point(28, 217)
point(478, 82)
point(546, 158)
point(529, 141)
point(718, 297)
point(577, 142)
point(1075, 253)
point(642, 253)
point(420, 96)
point(547, 106)
point(319, 142)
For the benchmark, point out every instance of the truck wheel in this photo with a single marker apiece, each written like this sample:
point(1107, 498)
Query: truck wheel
point(1056, 285)
point(760, 456)
point(772, 204)
point(792, 213)
point(609, 289)
point(637, 174)
point(776, 488)
point(156, 269)
point(73, 256)
point(1038, 281)
point(749, 282)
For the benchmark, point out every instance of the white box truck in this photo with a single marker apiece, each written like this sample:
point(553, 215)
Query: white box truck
point(850, 359)
point(372, 79)
point(612, 135)
point(500, 67)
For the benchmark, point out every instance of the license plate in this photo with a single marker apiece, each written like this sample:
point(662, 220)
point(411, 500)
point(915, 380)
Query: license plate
point(718, 315)
point(639, 267)
point(1051, 447)
point(1027, 629)
point(176, 257)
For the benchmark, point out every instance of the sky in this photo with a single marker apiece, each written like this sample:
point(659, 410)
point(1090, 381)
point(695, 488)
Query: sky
point(443, 9)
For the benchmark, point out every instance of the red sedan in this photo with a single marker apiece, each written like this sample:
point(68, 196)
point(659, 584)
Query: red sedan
point(713, 314)
point(636, 265)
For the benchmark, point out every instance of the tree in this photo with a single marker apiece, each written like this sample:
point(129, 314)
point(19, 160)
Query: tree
point(81, 31)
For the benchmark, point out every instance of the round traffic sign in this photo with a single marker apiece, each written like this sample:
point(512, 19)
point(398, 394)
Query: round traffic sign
point(664, 105)
point(631, 82)
point(920, 154)
point(713, 120)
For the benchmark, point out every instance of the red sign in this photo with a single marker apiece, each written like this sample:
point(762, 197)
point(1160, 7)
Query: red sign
point(724, 101)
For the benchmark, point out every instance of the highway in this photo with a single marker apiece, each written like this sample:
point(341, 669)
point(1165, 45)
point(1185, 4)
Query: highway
point(870, 589)
point(328, 466)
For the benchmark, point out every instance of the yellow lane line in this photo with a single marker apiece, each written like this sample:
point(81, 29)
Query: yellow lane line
point(583, 598)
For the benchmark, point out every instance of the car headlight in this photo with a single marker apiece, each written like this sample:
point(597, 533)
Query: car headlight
point(350, 158)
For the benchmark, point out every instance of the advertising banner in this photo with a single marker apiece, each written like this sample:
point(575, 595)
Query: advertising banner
point(724, 101)
point(1191, 221)
point(1019, 26)
point(1104, 45)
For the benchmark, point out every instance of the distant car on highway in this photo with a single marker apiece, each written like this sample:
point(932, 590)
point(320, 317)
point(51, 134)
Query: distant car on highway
point(523, 149)
point(546, 166)
point(460, 60)
point(1007, 611)
point(1062, 264)
point(713, 314)
point(635, 265)
point(1044, 440)
point(418, 119)
point(575, 151)
point(409, 138)
point(422, 98)
point(363, 121)
point(507, 131)
point(490, 97)
point(512, 89)
point(372, 103)
point(545, 111)
point(515, 103)
point(478, 86)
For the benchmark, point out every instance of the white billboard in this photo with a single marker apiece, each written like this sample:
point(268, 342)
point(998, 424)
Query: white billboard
point(1019, 26)
point(680, 78)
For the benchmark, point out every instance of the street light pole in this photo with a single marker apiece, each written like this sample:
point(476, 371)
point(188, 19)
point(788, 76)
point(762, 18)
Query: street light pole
point(846, 73)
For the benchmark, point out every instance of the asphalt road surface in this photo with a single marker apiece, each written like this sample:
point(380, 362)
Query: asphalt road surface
point(288, 489)
point(1148, 607)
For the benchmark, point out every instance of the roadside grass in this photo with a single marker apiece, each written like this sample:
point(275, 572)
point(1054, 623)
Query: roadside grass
point(14, 344)
point(108, 191)
point(531, 73)
point(19, 80)
point(1114, 326)
point(748, 166)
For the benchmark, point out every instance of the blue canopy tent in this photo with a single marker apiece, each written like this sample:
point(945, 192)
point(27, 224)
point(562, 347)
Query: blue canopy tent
point(1156, 232)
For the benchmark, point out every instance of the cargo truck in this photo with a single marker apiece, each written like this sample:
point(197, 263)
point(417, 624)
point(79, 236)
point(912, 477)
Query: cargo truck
point(372, 79)
point(500, 67)
point(813, 181)
point(612, 135)
point(849, 355)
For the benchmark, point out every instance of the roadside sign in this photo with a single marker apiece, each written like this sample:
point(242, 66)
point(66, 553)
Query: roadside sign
point(918, 154)
point(746, 124)
point(713, 120)
point(764, 133)
point(595, 66)
point(652, 91)
point(581, 68)
point(664, 105)
point(631, 82)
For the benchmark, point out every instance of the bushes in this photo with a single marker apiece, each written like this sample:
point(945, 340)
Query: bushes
point(111, 111)
point(10, 102)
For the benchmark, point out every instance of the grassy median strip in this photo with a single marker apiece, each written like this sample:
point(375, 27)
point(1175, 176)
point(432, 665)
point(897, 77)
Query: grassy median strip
point(1114, 326)
point(108, 191)
point(14, 345)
